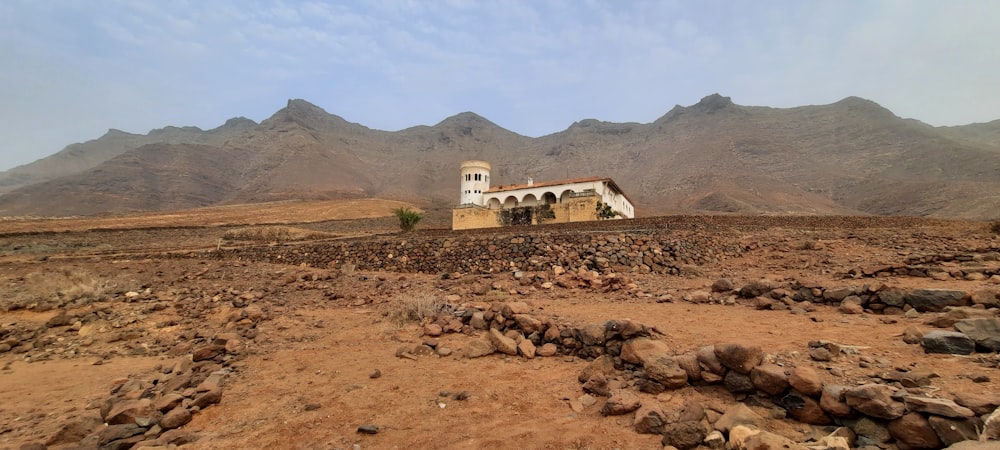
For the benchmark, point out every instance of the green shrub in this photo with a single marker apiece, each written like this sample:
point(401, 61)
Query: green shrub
point(408, 218)
point(604, 211)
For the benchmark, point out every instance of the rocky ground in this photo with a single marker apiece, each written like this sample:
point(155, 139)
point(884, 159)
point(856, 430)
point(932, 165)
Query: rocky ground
point(104, 344)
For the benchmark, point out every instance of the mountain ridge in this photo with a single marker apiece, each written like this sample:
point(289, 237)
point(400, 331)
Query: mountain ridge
point(849, 157)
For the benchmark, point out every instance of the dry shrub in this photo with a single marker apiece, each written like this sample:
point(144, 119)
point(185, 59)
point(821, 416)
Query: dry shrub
point(403, 310)
point(273, 234)
point(42, 291)
point(995, 227)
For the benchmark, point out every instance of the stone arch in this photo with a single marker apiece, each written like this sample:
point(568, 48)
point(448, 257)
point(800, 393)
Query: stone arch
point(549, 198)
point(510, 202)
point(494, 203)
point(529, 200)
point(564, 197)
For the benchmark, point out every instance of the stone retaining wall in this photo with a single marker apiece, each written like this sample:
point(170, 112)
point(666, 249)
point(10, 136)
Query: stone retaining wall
point(658, 251)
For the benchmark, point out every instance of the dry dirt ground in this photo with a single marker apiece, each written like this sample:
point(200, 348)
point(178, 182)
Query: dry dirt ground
point(302, 377)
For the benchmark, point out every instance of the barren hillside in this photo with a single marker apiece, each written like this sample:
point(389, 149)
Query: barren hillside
point(848, 157)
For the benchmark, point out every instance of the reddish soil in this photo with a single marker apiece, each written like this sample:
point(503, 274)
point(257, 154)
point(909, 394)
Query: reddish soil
point(324, 333)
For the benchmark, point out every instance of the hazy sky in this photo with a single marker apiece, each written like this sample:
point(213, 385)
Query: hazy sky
point(70, 69)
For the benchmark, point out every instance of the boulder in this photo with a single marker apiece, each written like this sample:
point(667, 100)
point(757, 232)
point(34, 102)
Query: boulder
point(503, 344)
point(914, 432)
point(745, 438)
point(874, 400)
point(806, 380)
point(177, 417)
point(597, 385)
point(756, 288)
point(206, 399)
point(510, 309)
point(621, 401)
point(592, 334)
point(804, 409)
point(640, 350)
point(649, 419)
point(851, 305)
point(603, 365)
point(937, 406)
point(126, 411)
point(722, 285)
point(478, 348)
point(991, 426)
point(527, 323)
point(912, 335)
point(985, 332)
point(769, 378)
point(738, 415)
point(548, 349)
point(526, 348)
point(738, 383)
point(949, 342)
point(708, 361)
point(935, 300)
point(666, 371)
point(951, 431)
point(832, 401)
point(739, 357)
point(986, 298)
point(979, 402)
point(689, 362)
point(892, 297)
point(684, 435)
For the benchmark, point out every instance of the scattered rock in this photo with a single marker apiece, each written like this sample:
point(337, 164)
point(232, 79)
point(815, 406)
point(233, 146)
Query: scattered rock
point(912, 335)
point(666, 371)
point(804, 409)
point(620, 402)
point(806, 381)
point(641, 350)
point(649, 419)
point(951, 431)
point(745, 438)
point(739, 357)
point(368, 429)
point(684, 435)
point(769, 378)
point(914, 431)
point(984, 331)
point(503, 344)
point(937, 406)
point(935, 300)
point(949, 342)
point(478, 348)
point(737, 415)
point(874, 400)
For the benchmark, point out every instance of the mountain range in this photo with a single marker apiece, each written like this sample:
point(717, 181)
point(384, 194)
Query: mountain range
point(848, 157)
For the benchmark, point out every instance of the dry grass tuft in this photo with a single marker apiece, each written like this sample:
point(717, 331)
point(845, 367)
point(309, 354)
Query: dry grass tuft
point(403, 310)
point(49, 290)
point(273, 234)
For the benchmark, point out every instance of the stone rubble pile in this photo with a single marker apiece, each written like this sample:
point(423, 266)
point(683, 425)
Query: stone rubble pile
point(629, 367)
point(871, 414)
point(150, 412)
point(971, 266)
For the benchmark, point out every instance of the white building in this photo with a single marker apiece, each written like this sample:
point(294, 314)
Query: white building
point(573, 200)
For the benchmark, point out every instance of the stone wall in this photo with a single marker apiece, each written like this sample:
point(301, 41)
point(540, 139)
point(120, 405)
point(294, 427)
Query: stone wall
point(658, 251)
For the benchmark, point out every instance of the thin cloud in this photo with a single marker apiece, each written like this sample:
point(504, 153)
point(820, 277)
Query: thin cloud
point(533, 67)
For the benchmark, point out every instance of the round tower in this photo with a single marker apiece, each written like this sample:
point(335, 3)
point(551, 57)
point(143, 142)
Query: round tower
point(475, 181)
